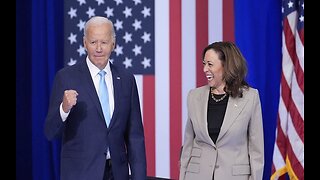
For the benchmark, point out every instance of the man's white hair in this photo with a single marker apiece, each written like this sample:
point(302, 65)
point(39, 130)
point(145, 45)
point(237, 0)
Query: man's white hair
point(99, 20)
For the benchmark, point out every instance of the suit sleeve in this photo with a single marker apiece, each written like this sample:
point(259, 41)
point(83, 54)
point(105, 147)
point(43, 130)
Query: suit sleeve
point(53, 124)
point(136, 144)
point(256, 140)
point(188, 142)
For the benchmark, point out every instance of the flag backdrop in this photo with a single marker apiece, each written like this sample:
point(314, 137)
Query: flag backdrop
point(160, 41)
point(288, 152)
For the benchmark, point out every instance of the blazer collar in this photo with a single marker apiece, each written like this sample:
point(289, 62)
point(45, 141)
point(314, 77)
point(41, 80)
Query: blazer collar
point(203, 99)
point(116, 78)
point(88, 83)
point(234, 107)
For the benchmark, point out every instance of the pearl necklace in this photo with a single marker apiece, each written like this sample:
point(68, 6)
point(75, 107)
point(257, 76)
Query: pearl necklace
point(215, 99)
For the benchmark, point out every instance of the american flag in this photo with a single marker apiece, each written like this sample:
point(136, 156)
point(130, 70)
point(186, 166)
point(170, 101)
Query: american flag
point(288, 155)
point(160, 41)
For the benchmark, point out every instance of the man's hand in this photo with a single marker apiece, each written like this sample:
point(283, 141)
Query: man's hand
point(69, 100)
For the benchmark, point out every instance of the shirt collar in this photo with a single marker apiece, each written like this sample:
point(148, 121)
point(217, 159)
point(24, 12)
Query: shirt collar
point(94, 70)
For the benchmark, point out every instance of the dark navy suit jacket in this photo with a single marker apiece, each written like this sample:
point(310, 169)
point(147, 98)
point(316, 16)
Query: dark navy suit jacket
point(85, 137)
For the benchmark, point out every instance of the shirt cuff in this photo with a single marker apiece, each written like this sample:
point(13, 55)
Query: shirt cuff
point(63, 114)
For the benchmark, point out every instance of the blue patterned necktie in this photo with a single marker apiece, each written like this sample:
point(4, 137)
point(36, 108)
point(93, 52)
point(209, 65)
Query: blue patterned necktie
point(104, 97)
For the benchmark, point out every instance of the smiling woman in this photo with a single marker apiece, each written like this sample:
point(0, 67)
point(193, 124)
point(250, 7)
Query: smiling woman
point(223, 116)
point(176, 33)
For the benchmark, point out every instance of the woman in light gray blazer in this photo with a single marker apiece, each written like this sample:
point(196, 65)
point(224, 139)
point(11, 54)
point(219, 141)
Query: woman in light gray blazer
point(223, 138)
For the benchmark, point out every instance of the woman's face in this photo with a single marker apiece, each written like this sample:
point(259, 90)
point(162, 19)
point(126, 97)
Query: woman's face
point(213, 69)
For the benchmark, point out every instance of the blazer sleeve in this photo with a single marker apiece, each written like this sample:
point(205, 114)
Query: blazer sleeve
point(53, 124)
point(256, 140)
point(188, 142)
point(136, 147)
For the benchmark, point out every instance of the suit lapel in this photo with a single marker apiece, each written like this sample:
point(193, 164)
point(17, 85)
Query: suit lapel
point(203, 105)
point(234, 107)
point(88, 83)
point(117, 93)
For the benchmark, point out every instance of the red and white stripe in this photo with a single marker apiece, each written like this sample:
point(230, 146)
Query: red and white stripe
point(181, 32)
point(288, 156)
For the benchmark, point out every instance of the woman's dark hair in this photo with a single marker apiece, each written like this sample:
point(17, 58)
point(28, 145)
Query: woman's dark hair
point(234, 64)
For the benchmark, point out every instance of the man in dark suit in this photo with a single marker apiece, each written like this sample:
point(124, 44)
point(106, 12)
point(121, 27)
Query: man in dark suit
point(97, 145)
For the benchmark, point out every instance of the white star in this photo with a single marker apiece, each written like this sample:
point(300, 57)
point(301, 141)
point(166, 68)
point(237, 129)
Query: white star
point(81, 24)
point(127, 12)
point(301, 18)
point(81, 50)
point(118, 2)
point(127, 63)
point(111, 60)
point(146, 62)
point(136, 2)
point(72, 38)
point(72, 62)
point(100, 2)
point(81, 2)
point(302, 5)
point(145, 11)
point(118, 24)
point(290, 4)
point(127, 37)
point(109, 12)
point(90, 12)
point(136, 24)
point(146, 37)
point(136, 50)
point(72, 12)
point(118, 50)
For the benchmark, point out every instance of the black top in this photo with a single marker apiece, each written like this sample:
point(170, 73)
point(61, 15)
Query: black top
point(216, 112)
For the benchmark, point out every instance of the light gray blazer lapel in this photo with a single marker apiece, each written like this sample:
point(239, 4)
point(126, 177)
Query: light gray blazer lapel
point(202, 103)
point(234, 107)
